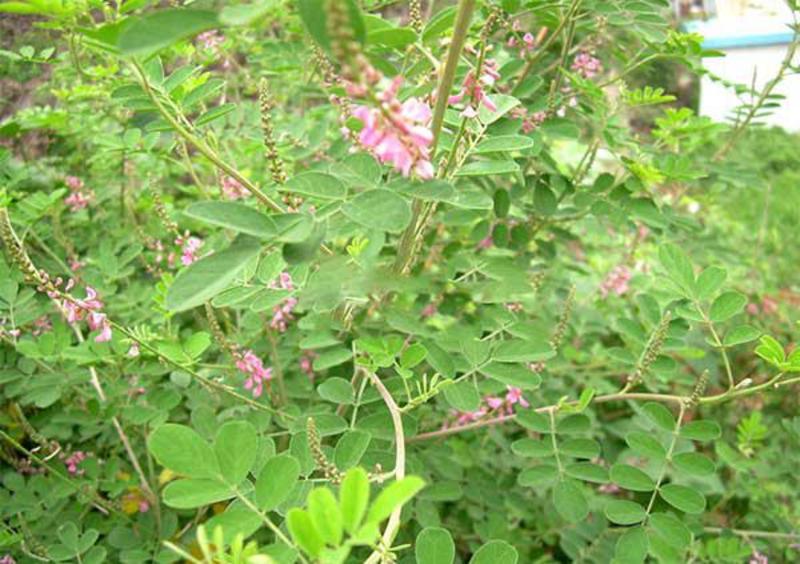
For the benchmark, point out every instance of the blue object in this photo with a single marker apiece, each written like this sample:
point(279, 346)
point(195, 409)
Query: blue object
point(717, 36)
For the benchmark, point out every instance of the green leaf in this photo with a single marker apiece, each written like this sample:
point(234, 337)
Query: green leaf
point(195, 492)
point(741, 334)
point(513, 375)
point(413, 355)
point(536, 448)
point(622, 512)
point(545, 201)
point(245, 14)
point(646, 445)
point(701, 430)
point(587, 472)
point(693, 463)
point(163, 28)
point(393, 496)
point(463, 396)
point(519, 350)
point(504, 143)
point(276, 481)
point(332, 357)
point(325, 515)
point(670, 529)
point(314, 16)
point(379, 209)
point(336, 390)
point(726, 306)
point(350, 448)
point(434, 546)
point(575, 423)
point(354, 498)
point(316, 185)
point(495, 552)
point(709, 282)
point(395, 37)
point(234, 216)
point(183, 451)
point(569, 501)
point(580, 448)
point(431, 190)
point(678, 267)
point(771, 350)
point(632, 546)
point(235, 446)
point(534, 421)
point(660, 415)
point(207, 277)
point(631, 478)
point(488, 168)
point(537, 476)
point(683, 498)
point(303, 531)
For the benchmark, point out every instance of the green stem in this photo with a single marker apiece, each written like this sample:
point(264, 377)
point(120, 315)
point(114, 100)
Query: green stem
point(200, 145)
point(668, 459)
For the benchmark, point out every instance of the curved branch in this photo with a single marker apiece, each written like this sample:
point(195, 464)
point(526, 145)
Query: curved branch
point(399, 466)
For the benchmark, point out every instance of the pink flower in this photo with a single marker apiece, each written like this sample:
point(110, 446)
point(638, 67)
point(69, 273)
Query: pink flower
point(474, 89)
point(429, 310)
point(253, 367)
point(42, 325)
point(494, 402)
point(7, 559)
point(758, 558)
point(514, 307)
point(77, 201)
point(282, 313)
point(232, 189)
point(586, 65)
point(398, 133)
point(73, 183)
point(486, 242)
point(534, 121)
point(134, 351)
point(616, 281)
point(307, 363)
point(211, 39)
point(769, 306)
point(752, 309)
point(73, 461)
point(144, 506)
point(99, 321)
point(514, 396)
point(189, 250)
point(529, 40)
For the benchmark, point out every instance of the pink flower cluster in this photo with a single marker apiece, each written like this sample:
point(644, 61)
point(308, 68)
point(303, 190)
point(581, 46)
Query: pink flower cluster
point(528, 43)
point(7, 559)
point(72, 462)
point(88, 308)
point(768, 307)
point(397, 132)
point(492, 405)
point(232, 189)
point(307, 363)
point(586, 65)
point(473, 89)
point(616, 282)
point(189, 248)
point(253, 367)
point(78, 198)
point(211, 39)
point(529, 122)
point(282, 313)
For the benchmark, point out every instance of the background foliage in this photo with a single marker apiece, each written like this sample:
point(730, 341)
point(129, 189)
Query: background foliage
point(237, 328)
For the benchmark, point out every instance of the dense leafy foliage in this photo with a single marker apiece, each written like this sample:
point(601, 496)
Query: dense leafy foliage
point(364, 281)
